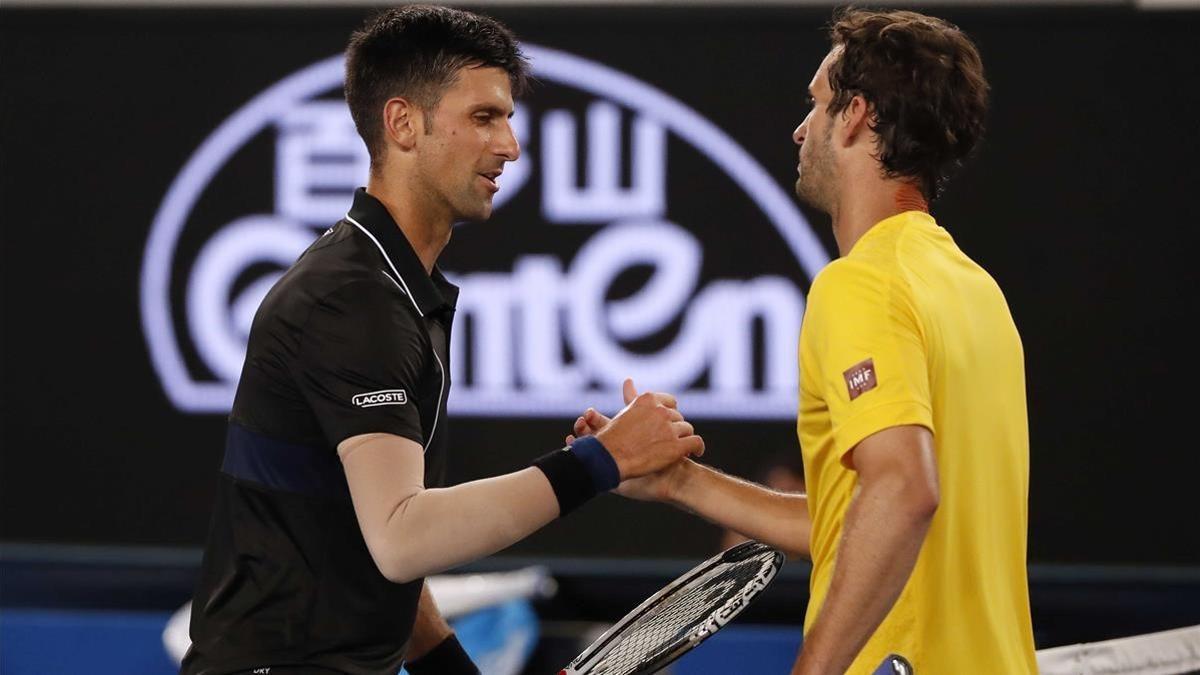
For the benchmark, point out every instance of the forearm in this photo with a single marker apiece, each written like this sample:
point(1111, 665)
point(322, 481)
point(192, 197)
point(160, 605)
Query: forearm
point(776, 518)
point(437, 529)
point(429, 628)
point(882, 537)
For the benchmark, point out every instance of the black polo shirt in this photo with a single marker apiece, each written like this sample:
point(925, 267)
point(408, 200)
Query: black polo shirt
point(352, 340)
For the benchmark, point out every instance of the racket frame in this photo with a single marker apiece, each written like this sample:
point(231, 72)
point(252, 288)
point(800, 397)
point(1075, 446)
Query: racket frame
point(717, 619)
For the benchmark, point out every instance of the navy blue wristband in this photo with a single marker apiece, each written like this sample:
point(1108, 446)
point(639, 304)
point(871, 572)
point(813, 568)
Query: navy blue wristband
point(569, 478)
point(599, 463)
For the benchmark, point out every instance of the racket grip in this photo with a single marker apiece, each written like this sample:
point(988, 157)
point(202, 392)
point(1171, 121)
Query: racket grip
point(894, 664)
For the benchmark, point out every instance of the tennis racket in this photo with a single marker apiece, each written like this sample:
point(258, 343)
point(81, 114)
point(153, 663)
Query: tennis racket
point(683, 614)
point(894, 664)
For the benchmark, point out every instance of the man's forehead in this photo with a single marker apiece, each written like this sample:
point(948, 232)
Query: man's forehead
point(820, 80)
point(482, 81)
point(481, 75)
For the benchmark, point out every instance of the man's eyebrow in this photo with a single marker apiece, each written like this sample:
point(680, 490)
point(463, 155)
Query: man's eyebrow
point(492, 110)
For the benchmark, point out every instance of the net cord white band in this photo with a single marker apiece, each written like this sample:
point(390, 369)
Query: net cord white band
point(1169, 652)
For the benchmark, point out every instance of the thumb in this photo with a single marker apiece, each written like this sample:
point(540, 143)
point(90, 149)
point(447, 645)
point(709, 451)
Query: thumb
point(629, 390)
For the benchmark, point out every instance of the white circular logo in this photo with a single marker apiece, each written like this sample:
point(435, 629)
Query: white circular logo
point(546, 338)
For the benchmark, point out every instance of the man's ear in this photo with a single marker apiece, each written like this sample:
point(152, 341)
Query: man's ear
point(402, 122)
point(854, 120)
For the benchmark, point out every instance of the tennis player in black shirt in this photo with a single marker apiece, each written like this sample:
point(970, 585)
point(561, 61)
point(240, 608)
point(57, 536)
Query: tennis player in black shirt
point(330, 510)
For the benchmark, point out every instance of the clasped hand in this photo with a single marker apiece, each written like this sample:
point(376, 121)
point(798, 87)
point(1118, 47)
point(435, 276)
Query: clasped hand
point(649, 439)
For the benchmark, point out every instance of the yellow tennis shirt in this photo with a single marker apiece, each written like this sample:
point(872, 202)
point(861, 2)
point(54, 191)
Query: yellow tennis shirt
point(906, 329)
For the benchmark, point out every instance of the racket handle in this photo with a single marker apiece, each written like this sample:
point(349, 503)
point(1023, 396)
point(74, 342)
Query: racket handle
point(894, 664)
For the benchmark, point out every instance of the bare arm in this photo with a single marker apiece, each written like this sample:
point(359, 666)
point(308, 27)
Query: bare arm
point(779, 519)
point(412, 532)
point(884, 529)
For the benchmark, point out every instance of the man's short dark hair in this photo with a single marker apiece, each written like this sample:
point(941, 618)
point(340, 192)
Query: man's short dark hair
point(415, 52)
point(923, 80)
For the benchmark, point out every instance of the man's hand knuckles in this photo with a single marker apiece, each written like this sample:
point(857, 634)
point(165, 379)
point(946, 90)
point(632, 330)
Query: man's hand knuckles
point(667, 400)
point(643, 400)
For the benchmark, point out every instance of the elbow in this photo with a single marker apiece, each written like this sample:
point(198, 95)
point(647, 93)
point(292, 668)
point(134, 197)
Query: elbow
point(397, 567)
point(394, 548)
point(402, 576)
point(914, 500)
point(926, 505)
point(923, 499)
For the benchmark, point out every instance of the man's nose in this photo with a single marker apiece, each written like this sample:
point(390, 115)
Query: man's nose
point(800, 132)
point(507, 145)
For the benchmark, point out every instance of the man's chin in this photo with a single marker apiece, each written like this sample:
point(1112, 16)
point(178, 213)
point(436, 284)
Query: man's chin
point(803, 193)
point(477, 213)
point(807, 195)
point(484, 212)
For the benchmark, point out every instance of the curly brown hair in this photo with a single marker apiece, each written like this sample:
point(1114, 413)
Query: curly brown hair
point(923, 80)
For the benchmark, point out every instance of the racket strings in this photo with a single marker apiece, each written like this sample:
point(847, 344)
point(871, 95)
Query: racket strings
point(677, 616)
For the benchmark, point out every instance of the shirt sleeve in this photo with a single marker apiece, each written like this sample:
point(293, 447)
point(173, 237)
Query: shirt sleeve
point(870, 353)
point(361, 357)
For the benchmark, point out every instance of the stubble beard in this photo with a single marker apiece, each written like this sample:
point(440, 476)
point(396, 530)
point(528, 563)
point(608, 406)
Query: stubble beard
point(473, 207)
point(469, 202)
point(462, 202)
point(817, 174)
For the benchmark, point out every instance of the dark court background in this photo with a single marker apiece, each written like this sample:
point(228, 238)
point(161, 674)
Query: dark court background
point(1081, 203)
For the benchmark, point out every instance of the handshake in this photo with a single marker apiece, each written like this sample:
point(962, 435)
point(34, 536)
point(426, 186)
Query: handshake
point(649, 440)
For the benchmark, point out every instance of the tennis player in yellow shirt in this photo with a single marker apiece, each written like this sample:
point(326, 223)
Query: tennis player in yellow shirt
point(912, 418)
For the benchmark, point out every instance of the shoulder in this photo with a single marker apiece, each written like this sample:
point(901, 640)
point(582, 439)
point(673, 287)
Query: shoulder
point(366, 299)
point(338, 272)
point(851, 277)
point(338, 254)
point(857, 292)
point(361, 324)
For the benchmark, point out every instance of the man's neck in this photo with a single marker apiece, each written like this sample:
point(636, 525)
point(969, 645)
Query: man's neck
point(426, 229)
point(861, 209)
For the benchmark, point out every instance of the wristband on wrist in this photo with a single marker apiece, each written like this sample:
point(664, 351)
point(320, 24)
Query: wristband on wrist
point(599, 462)
point(448, 658)
point(579, 472)
point(568, 478)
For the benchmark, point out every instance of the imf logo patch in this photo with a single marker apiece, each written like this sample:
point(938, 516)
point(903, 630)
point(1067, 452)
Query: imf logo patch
point(603, 259)
point(860, 378)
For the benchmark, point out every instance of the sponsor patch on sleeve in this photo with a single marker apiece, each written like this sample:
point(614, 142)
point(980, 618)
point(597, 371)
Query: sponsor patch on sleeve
point(860, 378)
point(383, 397)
